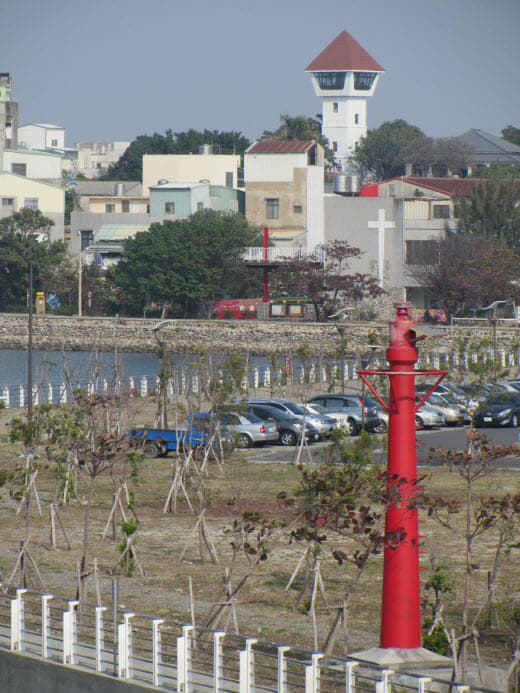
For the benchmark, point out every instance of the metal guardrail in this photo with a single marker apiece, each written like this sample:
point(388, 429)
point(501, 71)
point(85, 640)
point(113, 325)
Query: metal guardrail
point(172, 656)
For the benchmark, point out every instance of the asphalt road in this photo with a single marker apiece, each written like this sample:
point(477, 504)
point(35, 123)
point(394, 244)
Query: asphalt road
point(448, 438)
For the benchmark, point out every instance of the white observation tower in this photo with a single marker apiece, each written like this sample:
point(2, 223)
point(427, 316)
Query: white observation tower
point(343, 76)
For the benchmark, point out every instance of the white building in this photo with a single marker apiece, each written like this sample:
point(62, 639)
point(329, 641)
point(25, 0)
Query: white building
point(344, 75)
point(41, 136)
point(94, 158)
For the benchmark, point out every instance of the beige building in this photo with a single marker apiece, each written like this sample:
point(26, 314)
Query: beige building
point(284, 191)
point(218, 169)
point(17, 192)
point(94, 158)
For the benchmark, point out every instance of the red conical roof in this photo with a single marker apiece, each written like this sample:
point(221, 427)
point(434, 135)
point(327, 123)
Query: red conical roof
point(344, 53)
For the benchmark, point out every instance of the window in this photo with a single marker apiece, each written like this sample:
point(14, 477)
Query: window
point(229, 179)
point(421, 252)
point(297, 209)
point(125, 206)
point(331, 80)
point(356, 118)
point(54, 143)
point(441, 211)
point(335, 107)
point(272, 208)
point(363, 80)
point(19, 169)
point(86, 238)
point(200, 206)
point(110, 208)
point(334, 146)
point(30, 203)
point(169, 207)
point(7, 201)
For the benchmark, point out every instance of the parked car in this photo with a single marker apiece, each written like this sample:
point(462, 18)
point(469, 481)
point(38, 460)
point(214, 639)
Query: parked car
point(325, 424)
point(428, 416)
point(358, 415)
point(249, 430)
point(290, 427)
point(502, 409)
point(455, 414)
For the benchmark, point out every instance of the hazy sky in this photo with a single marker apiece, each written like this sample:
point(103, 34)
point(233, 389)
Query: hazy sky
point(115, 69)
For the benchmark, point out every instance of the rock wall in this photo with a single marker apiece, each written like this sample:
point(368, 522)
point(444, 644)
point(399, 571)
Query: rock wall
point(247, 336)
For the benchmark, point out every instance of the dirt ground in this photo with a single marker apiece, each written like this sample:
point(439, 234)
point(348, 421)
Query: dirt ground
point(265, 607)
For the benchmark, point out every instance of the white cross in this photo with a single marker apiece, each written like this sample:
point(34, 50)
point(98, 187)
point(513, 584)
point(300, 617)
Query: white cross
point(381, 225)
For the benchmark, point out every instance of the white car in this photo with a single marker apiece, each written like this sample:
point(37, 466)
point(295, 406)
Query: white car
point(249, 430)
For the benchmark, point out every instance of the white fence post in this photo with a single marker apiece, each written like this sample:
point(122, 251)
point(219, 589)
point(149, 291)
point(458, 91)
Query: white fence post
point(383, 686)
point(282, 669)
point(184, 660)
point(156, 650)
point(312, 675)
point(5, 396)
point(63, 393)
point(46, 624)
point(422, 684)
point(247, 668)
point(22, 396)
point(350, 677)
point(124, 631)
point(218, 660)
point(17, 620)
point(70, 634)
point(144, 387)
point(100, 637)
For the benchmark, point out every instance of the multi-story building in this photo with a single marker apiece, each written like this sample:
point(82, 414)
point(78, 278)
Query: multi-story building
point(217, 169)
point(284, 191)
point(344, 75)
point(8, 116)
point(395, 223)
point(94, 158)
point(18, 192)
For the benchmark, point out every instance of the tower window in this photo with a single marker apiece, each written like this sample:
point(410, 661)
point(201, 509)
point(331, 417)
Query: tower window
point(356, 118)
point(335, 107)
point(272, 208)
point(331, 80)
point(363, 80)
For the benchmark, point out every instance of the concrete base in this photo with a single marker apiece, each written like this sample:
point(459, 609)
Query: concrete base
point(395, 658)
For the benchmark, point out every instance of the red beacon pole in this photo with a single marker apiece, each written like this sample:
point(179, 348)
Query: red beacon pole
point(400, 613)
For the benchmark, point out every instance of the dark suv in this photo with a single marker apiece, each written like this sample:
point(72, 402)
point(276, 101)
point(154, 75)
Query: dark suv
point(357, 414)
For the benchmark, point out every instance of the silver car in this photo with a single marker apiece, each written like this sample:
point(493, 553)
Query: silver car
point(249, 430)
point(428, 416)
point(323, 423)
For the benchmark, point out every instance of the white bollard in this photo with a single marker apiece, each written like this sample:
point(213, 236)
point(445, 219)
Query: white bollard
point(144, 387)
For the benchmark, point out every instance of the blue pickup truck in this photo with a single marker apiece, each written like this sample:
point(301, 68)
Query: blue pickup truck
point(157, 442)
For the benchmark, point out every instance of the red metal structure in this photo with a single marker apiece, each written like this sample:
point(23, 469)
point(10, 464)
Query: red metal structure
point(400, 614)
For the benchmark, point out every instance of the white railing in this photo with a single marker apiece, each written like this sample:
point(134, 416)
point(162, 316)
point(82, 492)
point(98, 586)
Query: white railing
point(286, 371)
point(170, 655)
point(278, 254)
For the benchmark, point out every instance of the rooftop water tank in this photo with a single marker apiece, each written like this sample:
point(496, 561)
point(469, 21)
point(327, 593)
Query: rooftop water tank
point(119, 189)
point(206, 149)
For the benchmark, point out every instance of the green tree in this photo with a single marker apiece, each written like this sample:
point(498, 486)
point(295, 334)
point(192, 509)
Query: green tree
point(511, 134)
point(492, 211)
point(21, 241)
point(300, 128)
point(186, 263)
point(381, 152)
point(130, 164)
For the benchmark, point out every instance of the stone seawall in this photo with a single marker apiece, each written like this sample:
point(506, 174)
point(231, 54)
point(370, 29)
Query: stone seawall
point(251, 336)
